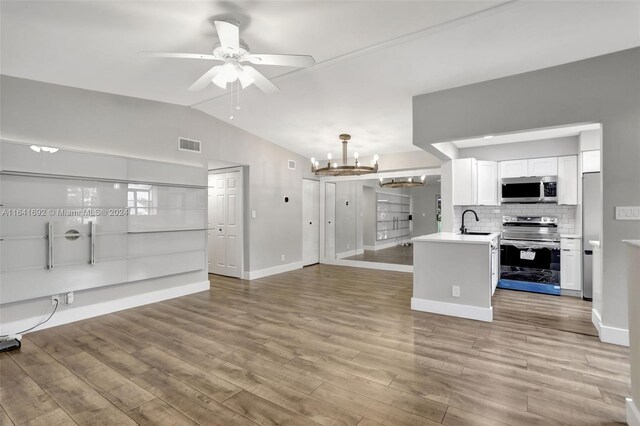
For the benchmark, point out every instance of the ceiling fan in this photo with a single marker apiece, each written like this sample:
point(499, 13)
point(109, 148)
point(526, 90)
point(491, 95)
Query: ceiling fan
point(235, 56)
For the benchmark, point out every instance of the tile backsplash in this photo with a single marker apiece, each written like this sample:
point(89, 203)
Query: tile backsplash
point(491, 216)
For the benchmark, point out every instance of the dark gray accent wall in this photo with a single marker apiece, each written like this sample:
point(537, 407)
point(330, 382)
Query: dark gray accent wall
point(604, 89)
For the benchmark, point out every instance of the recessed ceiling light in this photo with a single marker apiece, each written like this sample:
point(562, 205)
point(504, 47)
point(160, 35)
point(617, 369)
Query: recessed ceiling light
point(488, 136)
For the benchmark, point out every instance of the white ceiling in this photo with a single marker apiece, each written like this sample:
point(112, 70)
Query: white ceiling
point(525, 136)
point(373, 55)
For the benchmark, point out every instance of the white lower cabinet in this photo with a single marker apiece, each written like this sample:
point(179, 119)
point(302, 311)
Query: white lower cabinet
point(570, 264)
point(495, 264)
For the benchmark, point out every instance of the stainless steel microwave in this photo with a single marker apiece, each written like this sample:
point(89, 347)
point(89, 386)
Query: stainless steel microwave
point(530, 190)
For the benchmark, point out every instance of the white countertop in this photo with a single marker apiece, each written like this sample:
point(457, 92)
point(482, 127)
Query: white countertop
point(572, 236)
point(632, 242)
point(595, 243)
point(450, 237)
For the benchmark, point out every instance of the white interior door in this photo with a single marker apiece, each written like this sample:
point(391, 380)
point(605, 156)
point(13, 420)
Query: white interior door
point(310, 221)
point(225, 210)
point(330, 215)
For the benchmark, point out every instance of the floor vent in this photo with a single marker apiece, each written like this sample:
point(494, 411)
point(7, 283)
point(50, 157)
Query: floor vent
point(292, 164)
point(189, 145)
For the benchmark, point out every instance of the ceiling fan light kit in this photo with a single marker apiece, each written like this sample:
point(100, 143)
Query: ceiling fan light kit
point(332, 169)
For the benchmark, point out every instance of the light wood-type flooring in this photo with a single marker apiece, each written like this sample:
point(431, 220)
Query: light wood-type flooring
point(398, 254)
point(323, 345)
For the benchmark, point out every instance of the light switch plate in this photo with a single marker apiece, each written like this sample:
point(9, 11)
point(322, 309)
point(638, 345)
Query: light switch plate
point(254, 214)
point(628, 213)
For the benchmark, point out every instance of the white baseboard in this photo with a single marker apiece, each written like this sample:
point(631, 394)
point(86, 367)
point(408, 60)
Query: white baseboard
point(607, 334)
point(73, 313)
point(633, 413)
point(382, 246)
point(349, 253)
point(369, 265)
point(452, 309)
point(260, 273)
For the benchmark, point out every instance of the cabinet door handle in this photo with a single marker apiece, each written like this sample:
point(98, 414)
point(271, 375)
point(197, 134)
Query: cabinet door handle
point(566, 250)
point(92, 243)
point(50, 247)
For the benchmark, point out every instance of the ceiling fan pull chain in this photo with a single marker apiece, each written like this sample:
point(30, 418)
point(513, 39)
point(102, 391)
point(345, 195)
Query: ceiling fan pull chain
point(231, 116)
point(238, 95)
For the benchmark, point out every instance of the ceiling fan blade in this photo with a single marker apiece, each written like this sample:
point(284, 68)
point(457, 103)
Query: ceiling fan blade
point(262, 82)
point(229, 35)
point(300, 61)
point(179, 55)
point(206, 78)
point(245, 79)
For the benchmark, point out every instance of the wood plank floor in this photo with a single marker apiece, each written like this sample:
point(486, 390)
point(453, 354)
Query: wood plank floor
point(324, 345)
point(401, 255)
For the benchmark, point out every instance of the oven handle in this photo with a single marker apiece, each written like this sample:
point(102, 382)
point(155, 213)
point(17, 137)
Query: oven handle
point(530, 244)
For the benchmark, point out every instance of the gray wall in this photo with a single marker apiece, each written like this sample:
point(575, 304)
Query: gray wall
point(556, 147)
point(424, 202)
point(604, 89)
point(349, 233)
point(92, 121)
point(369, 215)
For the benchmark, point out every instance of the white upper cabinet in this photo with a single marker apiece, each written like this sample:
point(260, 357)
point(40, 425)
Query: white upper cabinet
point(464, 175)
point(487, 183)
point(514, 168)
point(568, 180)
point(543, 166)
point(591, 161)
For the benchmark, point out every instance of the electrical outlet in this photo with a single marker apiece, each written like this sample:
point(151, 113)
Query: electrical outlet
point(455, 291)
point(627, 213)
point(54, 298)
point(69, 298)
point(282, 257)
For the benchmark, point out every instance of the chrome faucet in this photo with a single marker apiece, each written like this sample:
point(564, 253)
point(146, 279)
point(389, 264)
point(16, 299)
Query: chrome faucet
point(463, 230)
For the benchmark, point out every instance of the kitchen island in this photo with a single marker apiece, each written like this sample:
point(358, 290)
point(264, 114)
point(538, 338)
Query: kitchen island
point(455, 274)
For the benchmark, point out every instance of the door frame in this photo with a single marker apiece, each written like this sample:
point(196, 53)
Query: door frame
point(304, 220)
point(241, 222)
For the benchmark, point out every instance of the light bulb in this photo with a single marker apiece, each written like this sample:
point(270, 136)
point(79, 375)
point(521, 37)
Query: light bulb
point(335, 165)
point(220, 80)
point(410, 180)
point(355, 155)
point(329, 156)
point(316, 163)
point(313, 160)
point(35, 148)
point(375, 158)
point(380, 180)
point(230, 72)
point(423, 177)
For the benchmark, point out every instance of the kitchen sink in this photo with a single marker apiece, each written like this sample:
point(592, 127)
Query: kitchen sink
point(476, 233)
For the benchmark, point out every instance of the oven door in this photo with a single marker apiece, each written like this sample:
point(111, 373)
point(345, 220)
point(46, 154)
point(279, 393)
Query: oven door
point(522, 190)
point(530, 261)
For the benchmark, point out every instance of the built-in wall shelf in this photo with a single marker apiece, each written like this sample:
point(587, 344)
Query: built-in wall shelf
point(75, 220)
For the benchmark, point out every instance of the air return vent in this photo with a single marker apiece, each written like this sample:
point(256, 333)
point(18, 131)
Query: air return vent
point(188, 145)
point(292, 165)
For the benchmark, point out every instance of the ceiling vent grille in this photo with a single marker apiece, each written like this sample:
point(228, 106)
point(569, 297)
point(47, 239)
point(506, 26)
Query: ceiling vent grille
point(292, 164)
point(189, 145)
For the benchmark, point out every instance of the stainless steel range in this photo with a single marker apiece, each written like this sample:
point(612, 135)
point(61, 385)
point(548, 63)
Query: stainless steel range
point(530, 254)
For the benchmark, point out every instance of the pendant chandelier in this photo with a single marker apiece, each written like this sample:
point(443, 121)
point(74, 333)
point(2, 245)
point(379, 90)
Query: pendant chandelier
point(333, 169)
point(402, 182)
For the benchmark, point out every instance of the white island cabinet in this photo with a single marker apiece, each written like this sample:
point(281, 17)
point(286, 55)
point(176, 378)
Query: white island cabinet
point(455, 274)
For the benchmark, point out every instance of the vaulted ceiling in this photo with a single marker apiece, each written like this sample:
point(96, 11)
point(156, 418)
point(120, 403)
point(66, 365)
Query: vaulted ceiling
point(373, 56)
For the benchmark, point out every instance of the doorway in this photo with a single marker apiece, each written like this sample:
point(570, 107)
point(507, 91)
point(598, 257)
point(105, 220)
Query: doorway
point(310, 222)
point(226, 220)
